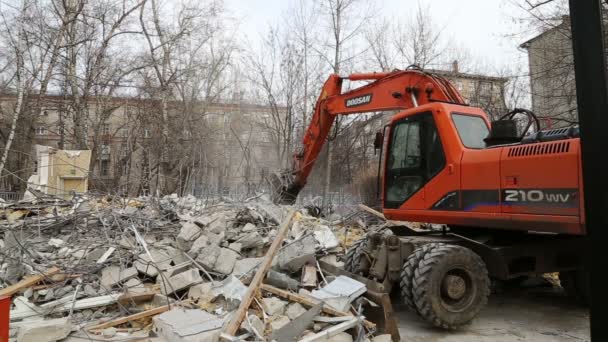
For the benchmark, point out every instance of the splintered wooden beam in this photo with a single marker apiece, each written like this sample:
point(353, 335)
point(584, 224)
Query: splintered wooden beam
point(27, 282)
point(255, 284)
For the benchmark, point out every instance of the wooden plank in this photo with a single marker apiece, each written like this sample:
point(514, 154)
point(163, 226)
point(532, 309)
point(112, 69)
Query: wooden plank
point(144, 314)
point(332, 331)
point(239, 315)
point(309, 302)
point(27, 282)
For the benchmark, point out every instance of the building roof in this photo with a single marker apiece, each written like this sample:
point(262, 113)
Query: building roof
point(565, 21)
point(455, 74)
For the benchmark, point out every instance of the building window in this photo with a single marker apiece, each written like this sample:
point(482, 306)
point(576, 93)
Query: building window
point(123, 150)
point(105, 149)
point(104, 168)
point(105, 128)
point(40, 130)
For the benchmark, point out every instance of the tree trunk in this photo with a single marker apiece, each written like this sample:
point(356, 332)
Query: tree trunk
point(17, 111)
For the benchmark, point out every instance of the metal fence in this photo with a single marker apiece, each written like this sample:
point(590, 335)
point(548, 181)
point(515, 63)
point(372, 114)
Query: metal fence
point(9, 196)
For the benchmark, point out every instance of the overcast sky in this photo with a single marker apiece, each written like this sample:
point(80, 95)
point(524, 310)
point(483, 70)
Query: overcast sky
point(482, 26)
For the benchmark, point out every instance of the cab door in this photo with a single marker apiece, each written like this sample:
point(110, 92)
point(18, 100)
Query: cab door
point(414, 156)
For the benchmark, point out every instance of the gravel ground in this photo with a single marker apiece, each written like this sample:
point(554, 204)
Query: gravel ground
point(538, 314)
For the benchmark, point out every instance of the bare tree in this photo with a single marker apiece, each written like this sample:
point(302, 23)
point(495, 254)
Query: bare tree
point(346, 20)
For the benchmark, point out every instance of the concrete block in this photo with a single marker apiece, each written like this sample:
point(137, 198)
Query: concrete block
point(179, 325)
point(181, 281)
point(294, 310)
point(189, 232)
point(249, 227)
point(294, 256)
point(200, 290)
point(113, 275)
point(135, 286)
point(219, 223)
point(274, 306)
point(278, 322)
point(246, 266)
point(44, 331)
point(200, 243)
point(250, 240)
point(218, 259)
point(144, 264)
point(253, 322)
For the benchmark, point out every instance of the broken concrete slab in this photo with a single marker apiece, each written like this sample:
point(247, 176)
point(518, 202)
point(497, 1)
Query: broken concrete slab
point(244, 269)
point(250, 240)
point(188, 325)
point(231, 289)
point(281, 280)
point(113, 275)
point(279, 321)
point(189, 232)
point(294, 310)
point(135, 286)
point(274, 306)
point(253, 322)
point(218, 259)
point(180, 281)
point(45, 331)
point(249, 227)
point(340, 292)
point(57, 243)
point(160, 260)
point(218, 224)
point(200, 290)
point(292, 257)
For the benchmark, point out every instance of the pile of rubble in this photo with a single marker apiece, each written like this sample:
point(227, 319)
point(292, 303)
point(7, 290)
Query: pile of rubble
point(104, 268)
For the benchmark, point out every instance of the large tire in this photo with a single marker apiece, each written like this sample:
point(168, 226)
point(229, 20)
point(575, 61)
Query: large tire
point(353, 255)
point(451, 286)
point(407, 273)
point(576, 284)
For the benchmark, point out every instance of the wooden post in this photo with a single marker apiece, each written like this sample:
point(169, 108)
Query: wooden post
point(240, 313)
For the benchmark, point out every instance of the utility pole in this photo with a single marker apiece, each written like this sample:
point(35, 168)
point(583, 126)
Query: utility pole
point(592, 98)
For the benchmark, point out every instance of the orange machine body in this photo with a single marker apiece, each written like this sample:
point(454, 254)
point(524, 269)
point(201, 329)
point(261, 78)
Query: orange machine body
point(534, 186)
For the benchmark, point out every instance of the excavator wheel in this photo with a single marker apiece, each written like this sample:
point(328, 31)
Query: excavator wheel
point(450, 286)
point(354, 255)
point(576, 285)
point(407, 273)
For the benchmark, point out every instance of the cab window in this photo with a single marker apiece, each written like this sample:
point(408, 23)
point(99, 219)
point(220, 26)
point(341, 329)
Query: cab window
point(472, 130)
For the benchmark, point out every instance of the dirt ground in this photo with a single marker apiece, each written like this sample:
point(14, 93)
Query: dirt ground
point(538, 315)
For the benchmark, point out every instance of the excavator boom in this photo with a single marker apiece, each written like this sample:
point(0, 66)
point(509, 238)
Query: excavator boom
point(401, 89)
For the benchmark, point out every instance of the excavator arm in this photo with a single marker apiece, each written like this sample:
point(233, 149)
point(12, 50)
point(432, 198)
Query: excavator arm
point(387, 91)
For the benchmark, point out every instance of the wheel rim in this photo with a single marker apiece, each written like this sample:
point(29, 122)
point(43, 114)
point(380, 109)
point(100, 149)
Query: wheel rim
point(457, 289)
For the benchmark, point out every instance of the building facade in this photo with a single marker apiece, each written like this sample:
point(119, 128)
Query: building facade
point(551, 68)
point(203, 148)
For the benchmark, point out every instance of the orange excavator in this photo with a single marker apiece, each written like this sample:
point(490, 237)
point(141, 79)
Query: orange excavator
point(509, 196)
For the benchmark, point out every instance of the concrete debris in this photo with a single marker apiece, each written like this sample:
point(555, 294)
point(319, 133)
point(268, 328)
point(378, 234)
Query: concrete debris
point(340, 292)
point(188, 325)
point(231, 289)
point(294, 310)
point(297, 254)
point(184, 265)
point(274, 306)
point(281, 280)
point(180, 281)
point(45, 331)
point(279, 321)
point(113, 275)
point(254, 325)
